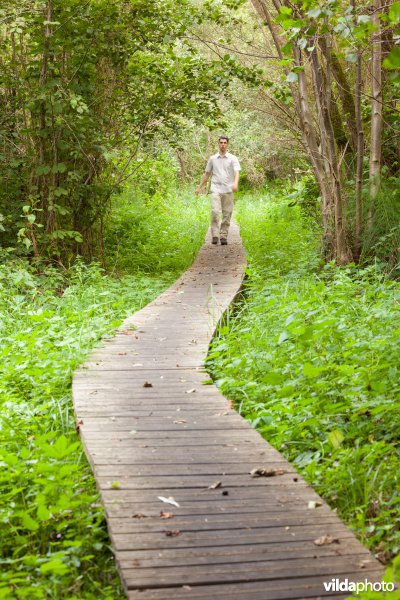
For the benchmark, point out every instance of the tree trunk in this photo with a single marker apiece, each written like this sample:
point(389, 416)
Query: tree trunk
point(376, 110)
point(360, 159)
point(322, 95)
point(345, 94)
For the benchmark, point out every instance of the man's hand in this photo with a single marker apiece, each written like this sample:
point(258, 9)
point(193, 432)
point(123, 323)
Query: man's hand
point(235, 185)
point(203, 182)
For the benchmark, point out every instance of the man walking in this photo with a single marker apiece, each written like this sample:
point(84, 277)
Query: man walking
point(223, 168)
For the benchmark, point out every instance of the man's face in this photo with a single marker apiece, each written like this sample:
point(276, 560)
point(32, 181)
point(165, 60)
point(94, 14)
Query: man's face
point(223, 146)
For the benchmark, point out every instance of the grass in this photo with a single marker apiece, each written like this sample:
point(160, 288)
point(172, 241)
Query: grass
point(53, 536)
point(311, 359)
point(160, 234)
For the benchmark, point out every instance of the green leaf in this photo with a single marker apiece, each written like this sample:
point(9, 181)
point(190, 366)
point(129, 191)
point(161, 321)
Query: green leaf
point(29, 523)
point(60, 191)
point(311, 371)
point(55, 566)
point(43, 514)
point(336, 438)
point(283, 337)
point(287, 48)
point(42, 170)
point(59, 168)
point(393, 60)
point(314, 13)
point(292, 77)
point(273, 378)
point(394, 13)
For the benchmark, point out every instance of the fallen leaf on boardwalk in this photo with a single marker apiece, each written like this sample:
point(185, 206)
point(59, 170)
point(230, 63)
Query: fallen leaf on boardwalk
point(325, 540)
point(127, 332)
point(180, 422)
point(169, 500)
point(115, 485)
point(173, 533)
point(162, 339)
point(137, 365)
point(132, 432)
point(147, 384)
point(215, 485)
point(191, 391)
point(186, 587)
point(221, 414)
point(139, 516)
point(231, 404)
point(122, 353)
point(261, 472)
point(314, 504)
point(166, 515)
point(363, 564)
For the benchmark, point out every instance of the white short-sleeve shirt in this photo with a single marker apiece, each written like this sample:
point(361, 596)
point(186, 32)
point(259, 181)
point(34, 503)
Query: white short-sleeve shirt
point(223, 169)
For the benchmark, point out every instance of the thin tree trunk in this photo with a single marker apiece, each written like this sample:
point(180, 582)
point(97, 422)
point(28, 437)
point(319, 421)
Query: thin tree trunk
point(360, 159)
point(322, 95)
point(375, 162)
point(344, 91)
point(43, 180)
point(182, 167)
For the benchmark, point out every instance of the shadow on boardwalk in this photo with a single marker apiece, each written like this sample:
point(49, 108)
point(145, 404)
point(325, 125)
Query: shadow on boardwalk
point(173, 463)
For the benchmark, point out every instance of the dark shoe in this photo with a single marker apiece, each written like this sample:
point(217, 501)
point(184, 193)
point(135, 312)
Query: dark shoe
point(224, 242)
point(214, 240)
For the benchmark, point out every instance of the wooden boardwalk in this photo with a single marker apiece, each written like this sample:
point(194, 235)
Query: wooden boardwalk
point(154, 432)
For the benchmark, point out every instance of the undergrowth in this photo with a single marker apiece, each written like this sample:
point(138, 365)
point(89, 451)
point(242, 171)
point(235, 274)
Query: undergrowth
point(159, 233)
point(311, 358)
point(53, 537)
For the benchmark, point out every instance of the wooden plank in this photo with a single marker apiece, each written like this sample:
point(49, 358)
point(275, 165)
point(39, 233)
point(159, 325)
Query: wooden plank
point(186, 497)
point(193, 482)
point(170, 557)
point(239, 537)
point(241, 572)
point(220, 522)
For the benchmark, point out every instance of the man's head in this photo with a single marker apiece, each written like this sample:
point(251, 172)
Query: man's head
point(223, 142)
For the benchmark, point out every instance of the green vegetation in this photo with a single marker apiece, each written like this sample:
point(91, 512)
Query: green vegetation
point(155, 227)
point(108, 112)
point(53, 537)
point(311, 360)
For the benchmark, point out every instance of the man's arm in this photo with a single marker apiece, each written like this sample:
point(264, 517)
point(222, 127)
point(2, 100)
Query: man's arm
point(235, 185)
point(204, 179)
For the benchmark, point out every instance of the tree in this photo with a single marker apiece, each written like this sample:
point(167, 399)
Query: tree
point(83, 86)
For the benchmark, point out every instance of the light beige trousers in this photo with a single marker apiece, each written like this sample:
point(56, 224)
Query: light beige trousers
point(221, 203)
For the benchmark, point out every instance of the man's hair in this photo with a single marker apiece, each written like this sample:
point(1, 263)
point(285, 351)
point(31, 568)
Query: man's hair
point(223, 137)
